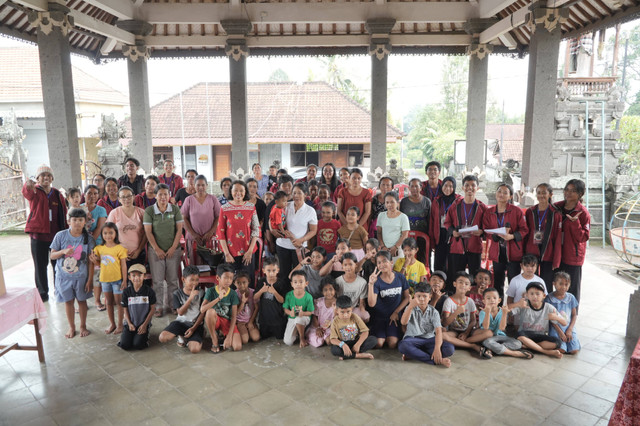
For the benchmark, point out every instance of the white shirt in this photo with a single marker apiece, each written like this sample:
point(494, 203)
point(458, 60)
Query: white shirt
point(518, 286)
point(298, 223)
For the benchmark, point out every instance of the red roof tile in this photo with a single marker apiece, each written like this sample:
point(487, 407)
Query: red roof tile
point(512, 139)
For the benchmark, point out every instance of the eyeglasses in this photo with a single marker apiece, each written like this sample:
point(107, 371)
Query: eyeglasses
point(126, 197)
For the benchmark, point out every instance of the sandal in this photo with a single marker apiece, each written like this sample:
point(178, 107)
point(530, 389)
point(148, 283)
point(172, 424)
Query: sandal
point(527, 354)
point(158, 314)
point(215, 350)
point(101, 308)
point(485, 353)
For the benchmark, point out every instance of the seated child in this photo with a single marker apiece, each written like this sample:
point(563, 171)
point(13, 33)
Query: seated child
point(318, 333)
point(247, 309)
point(188, 325)
point(458, 317)
point(70, 249)
point(354, 233)
point(312, 265)
point(482, 281)
point(335, 265)
point(324, 195)
point(437, 282)
point(495, 319)
point(138, 302)
point(409, 266)
point(327, 235)
point(269, 295)
point(518, 284)
point(423, 339)
point(353, 286)
point(567, 307)
point(220, 306)
point(388, 294)
point(534, 316)
point(298, 305)
point(349, 335)
point(367, 264)
point(278, 216)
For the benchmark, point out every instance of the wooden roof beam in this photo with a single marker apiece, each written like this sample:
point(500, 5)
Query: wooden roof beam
point(123, 9)
point(504, 25)
point(291, 13)
point(490, 8)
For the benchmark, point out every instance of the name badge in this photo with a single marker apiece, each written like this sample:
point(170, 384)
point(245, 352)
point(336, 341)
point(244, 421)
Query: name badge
point(442, 218)
point(537, 237)
point(50, 215)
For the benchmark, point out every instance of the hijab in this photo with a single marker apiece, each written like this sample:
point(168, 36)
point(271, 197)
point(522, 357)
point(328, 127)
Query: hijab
point(448, 199)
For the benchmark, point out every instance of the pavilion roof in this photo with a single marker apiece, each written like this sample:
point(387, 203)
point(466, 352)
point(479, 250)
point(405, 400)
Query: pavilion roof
point(191, 28)
point(20, 80)
point(312, 112)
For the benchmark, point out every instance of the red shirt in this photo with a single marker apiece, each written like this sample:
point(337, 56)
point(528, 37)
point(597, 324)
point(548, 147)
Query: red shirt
point(107, 204)
point(174, 181)
point(549, 222)
point(427, 191)
point(461, 215)
point(359, 201)
point(512, 218)
point(142, 201)
point(575, 234)
point(237, 225)
point(327, 235)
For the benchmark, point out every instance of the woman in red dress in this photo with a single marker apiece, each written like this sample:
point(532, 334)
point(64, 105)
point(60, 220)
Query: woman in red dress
point(355, 195)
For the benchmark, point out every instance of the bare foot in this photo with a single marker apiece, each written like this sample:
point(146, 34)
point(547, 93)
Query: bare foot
point(84, 332)
point(554, 353)
point(364, 356)
point(118, 330)
point(446, 362)
point(303, 343)
point(71, 333)
point(110, 329)
point(341, 359)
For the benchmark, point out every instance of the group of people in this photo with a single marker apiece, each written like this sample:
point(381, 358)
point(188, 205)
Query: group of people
point(342, 265)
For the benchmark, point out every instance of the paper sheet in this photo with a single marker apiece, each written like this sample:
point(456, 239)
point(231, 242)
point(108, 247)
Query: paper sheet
point(468, 229)
point(497, 231)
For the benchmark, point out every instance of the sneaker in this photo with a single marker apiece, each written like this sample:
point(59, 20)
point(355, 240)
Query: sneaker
point(181, 342)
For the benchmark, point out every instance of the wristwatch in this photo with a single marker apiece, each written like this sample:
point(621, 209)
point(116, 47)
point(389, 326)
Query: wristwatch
point(341, 344)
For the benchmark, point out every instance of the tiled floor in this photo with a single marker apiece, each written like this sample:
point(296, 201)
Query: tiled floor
point(88, 381)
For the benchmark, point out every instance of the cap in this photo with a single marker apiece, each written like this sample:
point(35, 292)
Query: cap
point(138, 268)
point(44, 169)
point(440, 274)
point(535, 284)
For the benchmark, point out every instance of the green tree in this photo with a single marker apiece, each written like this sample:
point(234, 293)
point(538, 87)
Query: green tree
point(630, 135)
point(632, 63)
point(278, 76)
point(337, 77)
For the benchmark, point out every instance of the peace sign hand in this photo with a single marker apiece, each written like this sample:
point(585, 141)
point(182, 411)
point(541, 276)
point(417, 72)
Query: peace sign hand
point(374, 276)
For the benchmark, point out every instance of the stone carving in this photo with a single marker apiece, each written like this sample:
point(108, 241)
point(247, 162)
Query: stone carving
point(236, 48)
point(380, 48)
point(11, 137)
point(550, 18)
point(47, 21)
point(373, 177)
point(136, 52)
point(479, 50)
point(394, 172)
point(112, 154)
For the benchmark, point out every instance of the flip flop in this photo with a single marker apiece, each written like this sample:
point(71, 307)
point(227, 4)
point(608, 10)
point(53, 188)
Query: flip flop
point(101, 308)
point(485, 353)
point(158, 314)
point(527, 354)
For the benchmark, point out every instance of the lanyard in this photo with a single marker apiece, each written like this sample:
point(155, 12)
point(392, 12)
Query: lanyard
point(113, 206)
point(541, 219)
point(500, 220)
point(467, 213)
point(445, 207)
point(433, 193)
point(146, 201)
point(169, 182)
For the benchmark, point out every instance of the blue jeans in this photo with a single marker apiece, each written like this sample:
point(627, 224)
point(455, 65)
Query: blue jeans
point(421, 349)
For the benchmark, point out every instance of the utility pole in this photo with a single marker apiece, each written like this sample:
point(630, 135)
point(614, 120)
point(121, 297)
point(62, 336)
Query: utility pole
point(624, 75)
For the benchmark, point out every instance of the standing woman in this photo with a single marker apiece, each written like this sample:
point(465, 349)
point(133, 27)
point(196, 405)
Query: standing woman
point(312, 171)
point(302, 225)
point(200, 213)
point(506, 250)
point(545, 236)
point(190, 189)
point(377, 203)
point(163, 226)
point(47, 216)
point(330, 177)
point(95, 219)
point(99, 180)
point(172, 180)
point(393, 227)
point(225, 186)
point(110, 200)
point(438, 232)
point(417, 208)
point(354, 195)
point(239, 229)
point(576, 222)
point(148, 197)
point(345, 175)
point(254, 198)
point(261, 179)
point(128, 219)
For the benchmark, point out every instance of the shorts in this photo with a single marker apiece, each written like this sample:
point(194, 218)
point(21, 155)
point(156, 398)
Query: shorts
point(381, 328)
point(222, 324)
point(112, 287)
point(67, 291)
point(537, 338)
point(179, 328)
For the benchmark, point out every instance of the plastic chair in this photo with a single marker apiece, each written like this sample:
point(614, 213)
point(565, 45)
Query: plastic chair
point(421, 236)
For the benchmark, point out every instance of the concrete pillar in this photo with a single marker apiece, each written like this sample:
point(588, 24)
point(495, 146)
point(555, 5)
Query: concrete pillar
point(237, 51)
point(541, 98)
point(57, 93)
point(379, 49)
point(475, 151)
point(141, 145)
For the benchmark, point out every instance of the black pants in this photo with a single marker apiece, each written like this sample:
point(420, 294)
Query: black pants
point(441, 253)
point(511, 269)
point(287, 259)
point(368, 344)
point(238, 265)
point(546, 273)
point(132, 340)
point(459, 262)
point(575, 272)
point(40, 254)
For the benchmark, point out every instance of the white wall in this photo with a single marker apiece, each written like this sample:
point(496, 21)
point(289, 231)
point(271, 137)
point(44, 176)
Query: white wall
point(205, 167)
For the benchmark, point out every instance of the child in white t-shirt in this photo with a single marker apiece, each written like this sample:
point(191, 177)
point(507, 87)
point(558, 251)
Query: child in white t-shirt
point(518, 284)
